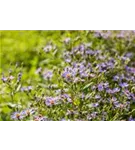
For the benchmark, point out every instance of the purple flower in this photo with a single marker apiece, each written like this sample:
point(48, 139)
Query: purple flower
point(40, 118)
point(11, 77)
point(4, 79)
point(81, 47)
point(82, 96)
point(28, 112)
point(19, 76)
point(115, 90)
point(129, 55)
point(93, 115)
point(102, 67)
point(67, 97)
point(116, 78)
point(17, 116)
point(49, 101)
point(109, 91)
point(26, 89)
point(106, 85)
point(100, 87)
point(67, 40)
point(48, 48)
point(47, 74)
point(124, 84)
point(90, 52)
point(38, 70)
point(67, 75)
point(131, 118)
point(93, 87)
point(83, 74)
point(97, 97)
point(29, 88)
point(130, 69)
point(95, 105)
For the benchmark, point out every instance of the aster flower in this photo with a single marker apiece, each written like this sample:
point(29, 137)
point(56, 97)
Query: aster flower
point(116, 78)
point(67, 75)
point(40, 118)
point(47, 74)
point(28, 112)
point(17, 116)
point(4, 79)
point(95, 104)
point(131, 118)
point(48, 48)
point(97, 96)
point(67, 97)
point(115, 90)
point(11, 77)
point(110, 91)
point(124, 84)
point(100, 87)
point(106, 85)
point(38, 70)
point(67, 40)
point(19, 77)
point(49, 101)
point(26, 89)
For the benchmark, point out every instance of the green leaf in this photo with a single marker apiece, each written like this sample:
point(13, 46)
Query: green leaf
point(18, 88)
point(87, 86)
point(6, 110)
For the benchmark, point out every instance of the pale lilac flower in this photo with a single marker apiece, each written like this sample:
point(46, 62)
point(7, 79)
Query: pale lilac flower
point(17, 116)
point(28, 112)
point(131, 118)
point(49, 101)
point(48, 48)
point(95, 104)
point(38, 70)
point(47, 74)
point(106, 85)
point(124, 84)
point(115, 90)
point(4, 79)
point(100, 87)
point(67, 40)
point(11, 77)
point(97, 97)
point(116, 78)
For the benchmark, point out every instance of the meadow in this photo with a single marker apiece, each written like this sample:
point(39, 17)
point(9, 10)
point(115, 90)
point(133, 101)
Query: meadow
point(67, 75)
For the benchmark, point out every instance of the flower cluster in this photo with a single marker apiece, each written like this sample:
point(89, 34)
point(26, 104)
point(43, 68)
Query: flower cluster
point(94, 81)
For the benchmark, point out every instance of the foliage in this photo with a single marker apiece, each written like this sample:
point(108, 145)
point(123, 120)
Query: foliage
point(67, 75)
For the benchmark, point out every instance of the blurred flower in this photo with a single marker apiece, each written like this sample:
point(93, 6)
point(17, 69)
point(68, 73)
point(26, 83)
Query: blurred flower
point(131, 118)
point(47, 75)
point(4, 79)
point(115, 90)
point(48, 48)
point(38, 70)
point(124, 84)
point(116, 78)
point(106, 85)
point(19, 77)
point(49, 101)
point(40, 118)
point(28, 112)
point(17, 116)
point(26, 89)
point(97, 97)
point(95, 104)
point(100, 87)
point(11, 77)
point(67, 40)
